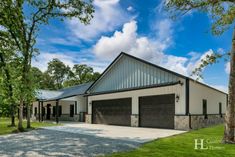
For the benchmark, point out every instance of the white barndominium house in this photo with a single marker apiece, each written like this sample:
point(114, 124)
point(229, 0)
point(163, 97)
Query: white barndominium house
point(134, 92)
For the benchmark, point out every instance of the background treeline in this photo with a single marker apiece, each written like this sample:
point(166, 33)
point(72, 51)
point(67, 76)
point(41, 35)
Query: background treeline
point(58, 75)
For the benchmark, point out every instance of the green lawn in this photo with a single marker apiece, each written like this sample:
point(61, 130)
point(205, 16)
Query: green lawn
point(183, 145)
point(4, 129)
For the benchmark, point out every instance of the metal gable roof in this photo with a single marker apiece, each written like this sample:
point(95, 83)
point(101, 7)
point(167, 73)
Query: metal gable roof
point(120, 59)
point(148, 63)
point(50, 95)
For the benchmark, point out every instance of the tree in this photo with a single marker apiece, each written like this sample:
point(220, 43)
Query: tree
point(81, 73)
point(58, 71)
point(23, 25)
point(95, 76)
point(223, 15)
point(6, 59)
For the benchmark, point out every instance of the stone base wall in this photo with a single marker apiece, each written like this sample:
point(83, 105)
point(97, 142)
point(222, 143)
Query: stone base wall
point(181, 122)
point(135, 120)
point(88, 118)
point(200, 121)
point(197, 121)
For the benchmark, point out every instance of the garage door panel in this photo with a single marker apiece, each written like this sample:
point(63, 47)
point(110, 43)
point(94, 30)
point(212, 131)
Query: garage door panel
point(157, 111)
point(114, 112)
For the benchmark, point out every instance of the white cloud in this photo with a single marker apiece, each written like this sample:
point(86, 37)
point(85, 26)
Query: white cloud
point(175, 63)
point(71, 41)
point(185, 65)
point(127, 40)
point(163, 29)
point(227, 67)
point(108, 16)
point(130, 8)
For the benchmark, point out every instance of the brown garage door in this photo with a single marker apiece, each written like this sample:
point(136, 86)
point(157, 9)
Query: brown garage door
point(114, 112)
point(157, 111)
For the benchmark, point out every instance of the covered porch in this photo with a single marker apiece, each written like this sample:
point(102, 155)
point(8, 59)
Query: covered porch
point(59, 110)
point(67, 104)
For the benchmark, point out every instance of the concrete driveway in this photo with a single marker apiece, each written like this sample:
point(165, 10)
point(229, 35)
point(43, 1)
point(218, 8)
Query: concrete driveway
point(135, 134)
point(77, 140)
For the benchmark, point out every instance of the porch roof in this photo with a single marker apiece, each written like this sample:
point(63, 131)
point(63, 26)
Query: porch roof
point(50, 95)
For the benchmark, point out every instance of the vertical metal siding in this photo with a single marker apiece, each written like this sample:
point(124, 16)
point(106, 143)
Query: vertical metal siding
point(129, 73)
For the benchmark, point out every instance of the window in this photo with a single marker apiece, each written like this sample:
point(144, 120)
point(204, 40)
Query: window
point(204, 108)
point(71, 110)
point(54, 111)
point(35, 111)
point(220, 109)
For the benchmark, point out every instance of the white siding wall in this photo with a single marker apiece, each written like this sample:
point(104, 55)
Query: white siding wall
point(135, 94)
point(199, 92)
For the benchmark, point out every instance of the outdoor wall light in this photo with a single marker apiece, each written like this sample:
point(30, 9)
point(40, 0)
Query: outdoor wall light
point(177, 98)
point(181, 83)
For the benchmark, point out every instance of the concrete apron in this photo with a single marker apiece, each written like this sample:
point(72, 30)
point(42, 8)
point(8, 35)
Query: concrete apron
point(136, 134)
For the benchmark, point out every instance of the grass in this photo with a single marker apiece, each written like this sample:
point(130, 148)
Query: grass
point(4, 129)
point(183, 145)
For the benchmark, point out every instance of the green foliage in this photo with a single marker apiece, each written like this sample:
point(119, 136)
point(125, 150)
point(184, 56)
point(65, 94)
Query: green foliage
point(58, 71)
point(19, 30)
point(81, 73)
point(222, 12)
point(208, 60)
point(58, 75)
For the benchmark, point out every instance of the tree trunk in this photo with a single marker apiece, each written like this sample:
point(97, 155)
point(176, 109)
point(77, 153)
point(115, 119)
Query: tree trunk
point(20, 124)
point(13, 115)
point(28, 116)
point(230, 118)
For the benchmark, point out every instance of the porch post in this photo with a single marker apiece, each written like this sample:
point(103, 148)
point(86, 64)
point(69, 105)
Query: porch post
point(42, 110)
point(39, 114)
point(75, 108)
point(57, 111)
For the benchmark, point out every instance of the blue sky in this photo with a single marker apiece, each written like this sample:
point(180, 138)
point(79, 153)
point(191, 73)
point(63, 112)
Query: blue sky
point(140, 28)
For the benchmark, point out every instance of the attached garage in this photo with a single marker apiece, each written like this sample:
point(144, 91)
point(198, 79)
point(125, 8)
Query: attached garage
point(157, 111)
point(114, 112)
point(133, 92)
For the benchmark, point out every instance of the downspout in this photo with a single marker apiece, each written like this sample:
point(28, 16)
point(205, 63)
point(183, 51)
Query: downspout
point(187, 102)
point(190, 123)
